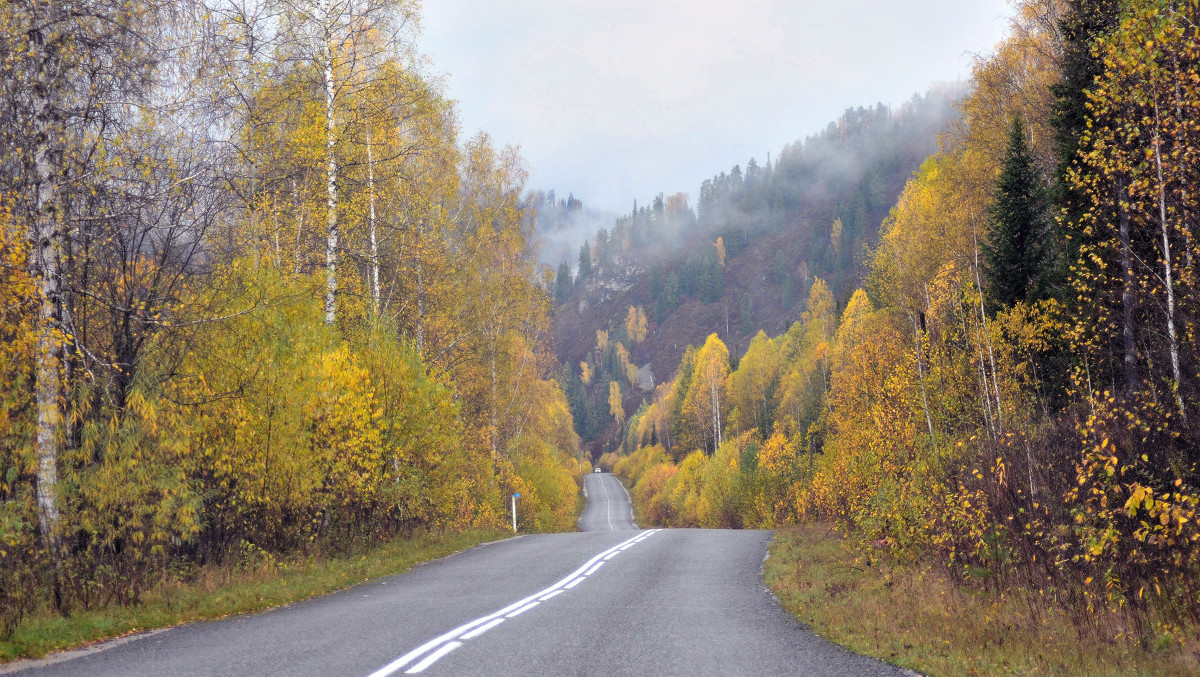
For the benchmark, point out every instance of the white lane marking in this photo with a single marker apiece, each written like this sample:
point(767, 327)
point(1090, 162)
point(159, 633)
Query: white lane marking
point(433, 657)
point(553, 594)
point(522, 610)
point(593, 569)
point(482, 629)
point(607, 503)
point(570, 581)
point(612, 555)
point(412, 655)
point(646, 535)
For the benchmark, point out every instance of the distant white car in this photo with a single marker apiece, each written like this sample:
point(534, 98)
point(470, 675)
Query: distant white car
point(599, 470)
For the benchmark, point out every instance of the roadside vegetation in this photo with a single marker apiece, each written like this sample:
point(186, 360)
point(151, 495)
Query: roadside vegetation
point(1008, 405)
point(918, 616)
point(260, 300)
point(254, 582)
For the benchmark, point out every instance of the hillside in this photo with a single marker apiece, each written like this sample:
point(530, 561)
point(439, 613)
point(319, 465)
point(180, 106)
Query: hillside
point(809, 214)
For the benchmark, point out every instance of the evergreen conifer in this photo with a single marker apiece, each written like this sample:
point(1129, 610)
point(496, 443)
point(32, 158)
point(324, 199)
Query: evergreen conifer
point(1014, 253)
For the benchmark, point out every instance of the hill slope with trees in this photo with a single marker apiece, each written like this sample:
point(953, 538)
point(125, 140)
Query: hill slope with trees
point(741, 259)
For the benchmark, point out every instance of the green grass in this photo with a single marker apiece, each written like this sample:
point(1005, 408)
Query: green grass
point(914, 617)
point(218, 592)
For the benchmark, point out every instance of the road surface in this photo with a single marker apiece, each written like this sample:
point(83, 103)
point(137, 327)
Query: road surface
point(609, 600)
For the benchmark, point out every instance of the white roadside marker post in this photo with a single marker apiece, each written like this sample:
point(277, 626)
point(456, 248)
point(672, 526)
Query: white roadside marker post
point(514, 511)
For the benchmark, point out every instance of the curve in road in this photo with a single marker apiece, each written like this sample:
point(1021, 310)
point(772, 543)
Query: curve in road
point(608, 505)
point(609, 600)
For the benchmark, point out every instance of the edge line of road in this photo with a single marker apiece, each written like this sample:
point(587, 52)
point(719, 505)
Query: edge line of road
point(630, 499)
point(72, 654)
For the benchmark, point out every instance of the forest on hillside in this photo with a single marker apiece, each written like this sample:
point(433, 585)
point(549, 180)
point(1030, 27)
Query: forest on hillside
point(741, 259)
point(259, 298)
point(1013, 392)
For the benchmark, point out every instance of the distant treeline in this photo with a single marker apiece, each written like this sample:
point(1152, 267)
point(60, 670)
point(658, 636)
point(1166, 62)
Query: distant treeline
point(845, 175)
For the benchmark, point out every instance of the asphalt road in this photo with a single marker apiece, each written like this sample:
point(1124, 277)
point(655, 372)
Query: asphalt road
point(608, 505)
point(610, 600)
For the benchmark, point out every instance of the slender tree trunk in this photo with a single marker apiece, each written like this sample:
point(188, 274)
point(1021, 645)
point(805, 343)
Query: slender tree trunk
point(493, 435)
point(275, 228)
point(1127, 301)
point(987, 336)
point(46, 239)
point(919, 345)
point(371, 226)
point(715, 398)
point(296, 255)
point(331, 202)
point(420, 275)
point(985, 395)
point(1187, 233)
point(1168, 274)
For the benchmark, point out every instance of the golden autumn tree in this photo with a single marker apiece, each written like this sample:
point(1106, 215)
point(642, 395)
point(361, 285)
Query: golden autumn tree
point(706, 402)
point(615, 406)
point(635, 324)
point(752, 386)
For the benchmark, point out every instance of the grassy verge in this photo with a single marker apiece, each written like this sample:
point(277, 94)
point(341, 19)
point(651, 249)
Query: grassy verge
point(217, 592)
point(914, 617)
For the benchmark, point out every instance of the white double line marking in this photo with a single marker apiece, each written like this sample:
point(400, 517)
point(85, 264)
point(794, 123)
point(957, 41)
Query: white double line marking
point(446, 643)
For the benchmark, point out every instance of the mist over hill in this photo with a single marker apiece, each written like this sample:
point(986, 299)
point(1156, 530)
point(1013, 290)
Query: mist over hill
point(737, 256)
point(561, 224)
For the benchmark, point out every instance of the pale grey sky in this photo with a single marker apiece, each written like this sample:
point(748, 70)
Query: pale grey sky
point(616, 100)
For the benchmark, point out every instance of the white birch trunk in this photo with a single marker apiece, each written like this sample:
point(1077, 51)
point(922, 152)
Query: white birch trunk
point(987, 335)
point(921, 373)
point(46, 239)
point(371, 226)
point(714, 395)
point(1168, 274)
point(331, 202)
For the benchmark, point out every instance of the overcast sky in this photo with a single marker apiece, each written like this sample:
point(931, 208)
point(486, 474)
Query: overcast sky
point(616, 100)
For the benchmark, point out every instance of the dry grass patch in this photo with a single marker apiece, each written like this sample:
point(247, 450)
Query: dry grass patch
point(915, 617)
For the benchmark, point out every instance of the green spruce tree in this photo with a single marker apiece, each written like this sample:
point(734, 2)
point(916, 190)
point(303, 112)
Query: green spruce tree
point(585, 263)
point(1014, 261)
point(563, 283)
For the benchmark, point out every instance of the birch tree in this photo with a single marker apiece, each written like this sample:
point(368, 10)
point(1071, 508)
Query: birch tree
point(336, 40)
point(69, 68)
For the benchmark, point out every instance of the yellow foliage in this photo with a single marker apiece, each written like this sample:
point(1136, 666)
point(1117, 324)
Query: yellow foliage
point(636, 324)
point(615, 406)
